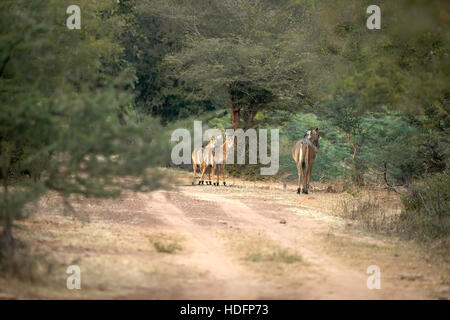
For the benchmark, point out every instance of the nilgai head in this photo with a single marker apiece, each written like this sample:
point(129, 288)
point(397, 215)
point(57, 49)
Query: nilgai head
point(230, 141)
point(313, 136)
point(213, 142)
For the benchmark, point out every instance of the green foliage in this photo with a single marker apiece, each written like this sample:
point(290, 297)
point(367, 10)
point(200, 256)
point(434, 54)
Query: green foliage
point(63, 94)
point(329, 163)
point(381, 95)
point(247, 64)
point(405, 65)
point(154, 30)
point(384, 139)
point(167, 247)
point(77, 105)
point(280, 256)
point(403, 68)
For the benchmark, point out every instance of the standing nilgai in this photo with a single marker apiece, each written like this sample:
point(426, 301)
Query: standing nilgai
point(212, 156)
point(204, 158)
point(304, 153)
point(221, 158)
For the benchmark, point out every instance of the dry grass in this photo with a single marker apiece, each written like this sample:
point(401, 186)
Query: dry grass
point(369, 214)
point(124, 249)
point(166, 243)
point(400, 262)
point(116, 257)
point(270, 260)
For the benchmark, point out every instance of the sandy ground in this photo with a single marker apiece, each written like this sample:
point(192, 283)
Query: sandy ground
point(243, 241)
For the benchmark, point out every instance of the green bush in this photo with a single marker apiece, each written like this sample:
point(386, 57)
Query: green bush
point(167, 247)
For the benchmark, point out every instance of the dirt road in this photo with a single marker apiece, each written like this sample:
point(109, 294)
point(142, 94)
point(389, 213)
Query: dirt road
point(244, 241)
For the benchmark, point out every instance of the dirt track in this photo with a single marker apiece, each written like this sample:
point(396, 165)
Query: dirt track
point(244, 241)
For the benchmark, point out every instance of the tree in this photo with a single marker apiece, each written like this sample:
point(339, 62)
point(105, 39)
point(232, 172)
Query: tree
point(401, 68)
point(61, 92)
point(346, 116)
point(248, 67)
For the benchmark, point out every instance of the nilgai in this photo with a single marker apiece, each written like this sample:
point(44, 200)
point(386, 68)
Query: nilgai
point(204, 158)
point(221, 162)
point(304, 153)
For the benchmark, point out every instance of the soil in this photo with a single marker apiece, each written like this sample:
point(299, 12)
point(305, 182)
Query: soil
point(246, 240)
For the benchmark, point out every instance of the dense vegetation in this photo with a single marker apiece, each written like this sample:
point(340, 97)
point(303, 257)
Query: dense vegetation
point(81, 108)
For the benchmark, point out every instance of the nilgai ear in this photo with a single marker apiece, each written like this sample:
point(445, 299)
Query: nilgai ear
point(317, 129)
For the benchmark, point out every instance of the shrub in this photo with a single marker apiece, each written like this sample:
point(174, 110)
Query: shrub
point(427, 207)
point(170, 247)
point(281, 255)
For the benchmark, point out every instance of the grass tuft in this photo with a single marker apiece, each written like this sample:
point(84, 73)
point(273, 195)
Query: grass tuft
point(282, 255)
point(166, 243)
point(170, 247)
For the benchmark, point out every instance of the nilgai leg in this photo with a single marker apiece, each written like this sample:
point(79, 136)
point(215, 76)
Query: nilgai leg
point(203, 168)
point(299, 171)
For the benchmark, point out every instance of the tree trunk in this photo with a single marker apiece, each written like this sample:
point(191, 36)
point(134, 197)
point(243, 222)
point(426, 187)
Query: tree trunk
point(253, 112)
point(235, 115)
point(355, 150)
point(249, 115)
point(358, 177)
point(121, 117)
point(7, 242)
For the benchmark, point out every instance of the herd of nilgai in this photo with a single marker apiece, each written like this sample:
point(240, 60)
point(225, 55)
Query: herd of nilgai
point(214, 155)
